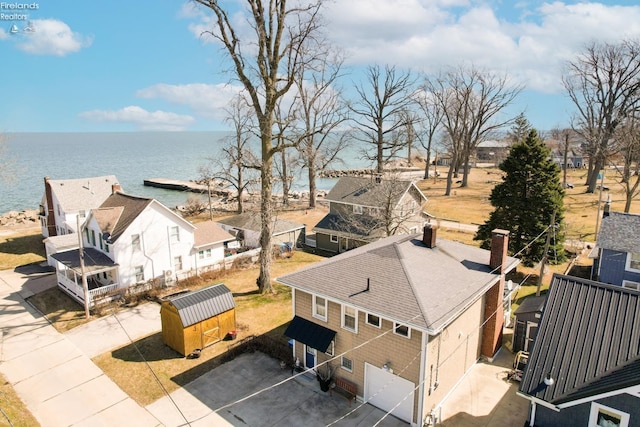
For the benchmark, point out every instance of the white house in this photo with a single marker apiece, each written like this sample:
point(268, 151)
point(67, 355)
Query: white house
point(130, 240)
point(65, 199)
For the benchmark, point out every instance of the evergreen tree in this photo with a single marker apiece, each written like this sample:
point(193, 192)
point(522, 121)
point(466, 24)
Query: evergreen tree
point(525, 200)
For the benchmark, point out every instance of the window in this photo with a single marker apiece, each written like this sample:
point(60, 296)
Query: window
point(93, 238)
point(333, 238)
point(86, 232)
point(100, 240)
point(357, 209)
point(200, 254)
point(106, 247)
point(349, 318)
point(330, 349)
point(139, 271)
point(373, 320)
point(135, 242)
point(603, 416)
point(633, 261)
point(631, 285)
point(400, 329)
point(346, 364)
point(174, 233)
point(207, 253)
point(177, 263)
point(82, 214)
point(320, 308)
point(374, 212)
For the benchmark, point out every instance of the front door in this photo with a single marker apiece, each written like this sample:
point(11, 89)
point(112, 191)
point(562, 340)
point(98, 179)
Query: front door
point(310, 357)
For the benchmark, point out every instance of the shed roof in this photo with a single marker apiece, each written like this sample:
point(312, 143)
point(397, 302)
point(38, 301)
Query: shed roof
point(208, 233)
point(203, 304)
point(532, 304)
point(588, 340)
point(251, 221)
point(400, 278)
point(620, 232)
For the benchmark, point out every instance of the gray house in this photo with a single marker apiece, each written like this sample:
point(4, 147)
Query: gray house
point(366, 209)
point(584, 369)
point(618, 260)
point(246, 228)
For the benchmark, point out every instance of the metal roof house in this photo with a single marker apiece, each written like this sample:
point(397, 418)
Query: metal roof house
point(198, 319)
point(584, 369)
point(403, 318)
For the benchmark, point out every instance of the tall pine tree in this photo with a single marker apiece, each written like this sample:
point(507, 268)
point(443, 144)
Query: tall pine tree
point(525, 200)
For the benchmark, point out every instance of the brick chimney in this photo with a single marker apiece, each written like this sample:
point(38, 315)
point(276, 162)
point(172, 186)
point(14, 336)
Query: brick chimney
point(51, 212)
point(493, 308)
point(116, 187)
point(429, 235)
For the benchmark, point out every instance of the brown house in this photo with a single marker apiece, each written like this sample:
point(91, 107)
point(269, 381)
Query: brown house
point(198, 319)
point(403, 318)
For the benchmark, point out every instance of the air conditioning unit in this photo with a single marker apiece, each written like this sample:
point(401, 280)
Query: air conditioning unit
point(168, 276)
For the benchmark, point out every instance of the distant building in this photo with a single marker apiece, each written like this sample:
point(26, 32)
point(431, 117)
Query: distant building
point(492, 151)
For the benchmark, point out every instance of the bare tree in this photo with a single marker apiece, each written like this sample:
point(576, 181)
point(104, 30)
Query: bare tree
point(428, 125)
point(380, 110)
point(266, 62)
point(471, 100)
point(628, 136)
point(236, 162)
point(285, 122)
point(322, 111)
point(563, 139)
point(603, 83)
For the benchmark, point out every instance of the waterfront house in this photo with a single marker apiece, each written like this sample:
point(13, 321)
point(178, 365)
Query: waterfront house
point(403, 318)
point(618, 250)
point(365, 209)
point(132, 240)
point(66, 199)
point(584, 369)
point(247, 227)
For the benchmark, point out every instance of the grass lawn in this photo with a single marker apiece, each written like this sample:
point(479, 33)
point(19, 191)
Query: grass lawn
point(148, 369)
point(21, 247)
point(13, 413)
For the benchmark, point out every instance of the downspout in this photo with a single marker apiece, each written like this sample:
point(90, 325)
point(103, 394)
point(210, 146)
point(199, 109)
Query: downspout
point(293, 310)
point(423, 364)
point(144, 252)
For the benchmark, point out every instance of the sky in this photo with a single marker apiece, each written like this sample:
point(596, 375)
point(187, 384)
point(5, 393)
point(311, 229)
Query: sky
point(144, 65)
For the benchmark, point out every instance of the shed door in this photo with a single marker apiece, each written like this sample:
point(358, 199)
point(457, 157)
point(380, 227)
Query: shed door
point(386, 390)
point(210, 331)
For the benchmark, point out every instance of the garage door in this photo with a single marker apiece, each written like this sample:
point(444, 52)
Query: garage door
point(385, 390)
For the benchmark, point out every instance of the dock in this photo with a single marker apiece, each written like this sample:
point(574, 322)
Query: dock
point(185, 186)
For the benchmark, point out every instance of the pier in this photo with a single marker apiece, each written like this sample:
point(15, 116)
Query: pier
point(186, 186)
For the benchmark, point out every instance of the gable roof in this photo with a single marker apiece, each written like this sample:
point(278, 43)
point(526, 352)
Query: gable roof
point(118, 211)
point(407, 282)
point(251, 221)
point(366, 191)
point(363, 226)
point(589, 340)
point(620, 232)
point(203, 304)
point(208, 233)
point(82, 193)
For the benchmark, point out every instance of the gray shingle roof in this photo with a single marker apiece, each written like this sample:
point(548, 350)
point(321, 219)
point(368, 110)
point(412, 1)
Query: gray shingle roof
point(363, 226)
point(532, 304)
point(408, 282)
point(620, 232)
point(589, 340)
point(367, 192)
point(94, 260)
point(251, 221)
point(203, 304)
point(82, 193)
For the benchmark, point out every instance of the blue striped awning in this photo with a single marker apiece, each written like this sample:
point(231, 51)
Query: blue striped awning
point(309, 333)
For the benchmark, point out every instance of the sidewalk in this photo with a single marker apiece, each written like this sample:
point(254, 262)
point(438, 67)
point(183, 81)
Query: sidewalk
point(54, 378)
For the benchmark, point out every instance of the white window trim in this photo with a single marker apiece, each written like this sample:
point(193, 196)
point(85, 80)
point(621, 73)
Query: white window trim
point(355, 326)
point(342, 359)
point(379, 325)
point(596, 408)
point(138, 269)
point(395, 326)
point(315, 304)
point(331, 349)
point(631, 285)
point(333, 238)
point(357, 209)
point(628, 264)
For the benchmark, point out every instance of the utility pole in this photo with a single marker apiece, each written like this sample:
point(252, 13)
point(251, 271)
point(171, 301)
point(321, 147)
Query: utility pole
point(435, 168)
point(599, 204)
point(546, 251)
point(85, 286)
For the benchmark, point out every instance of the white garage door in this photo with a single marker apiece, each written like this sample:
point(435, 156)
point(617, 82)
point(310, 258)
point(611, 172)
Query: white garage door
point(385, 390)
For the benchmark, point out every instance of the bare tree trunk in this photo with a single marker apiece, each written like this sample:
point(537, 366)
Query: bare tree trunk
point(266, 215)
point(311, 169)
point(565, 158)
point(285, 178)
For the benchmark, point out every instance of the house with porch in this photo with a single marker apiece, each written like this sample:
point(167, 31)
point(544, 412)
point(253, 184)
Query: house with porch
point(66, 199)
point(403, 318)
point(618, 250)
point(365, 209)
point(131, 240)
point(584, 369)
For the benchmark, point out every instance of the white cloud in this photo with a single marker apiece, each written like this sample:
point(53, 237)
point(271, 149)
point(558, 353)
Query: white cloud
point(3, 34)
point(207, 100)
point(51, 37)
point(143, 119)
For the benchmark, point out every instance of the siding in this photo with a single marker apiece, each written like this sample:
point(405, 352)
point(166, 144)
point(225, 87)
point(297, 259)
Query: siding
point(578, 416)
point(612, 268)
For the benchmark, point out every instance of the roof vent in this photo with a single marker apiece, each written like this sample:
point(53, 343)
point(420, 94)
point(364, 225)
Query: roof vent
point(548, 380)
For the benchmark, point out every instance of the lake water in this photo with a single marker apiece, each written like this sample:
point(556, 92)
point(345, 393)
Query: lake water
point(131, 156)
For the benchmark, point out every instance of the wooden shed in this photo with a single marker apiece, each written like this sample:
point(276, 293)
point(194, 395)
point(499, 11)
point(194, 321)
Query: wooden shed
point(198, 319)
point(527, 319)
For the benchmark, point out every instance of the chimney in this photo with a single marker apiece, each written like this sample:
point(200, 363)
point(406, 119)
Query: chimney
point(116, 187)
point(607, 207)
point(51, 212)
point(493, 308)
point(429, 235)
